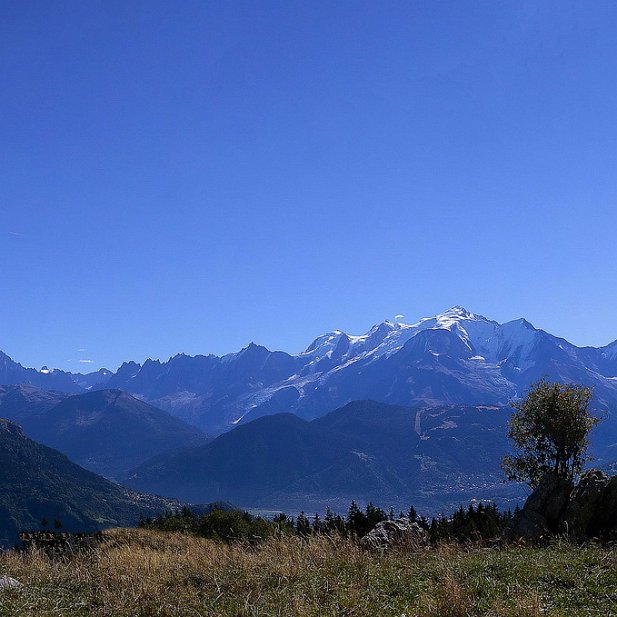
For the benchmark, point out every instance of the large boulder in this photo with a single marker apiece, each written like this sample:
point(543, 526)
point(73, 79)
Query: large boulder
point(589, 508)
point(607, 517)
point(543, 509)
point(391, 533)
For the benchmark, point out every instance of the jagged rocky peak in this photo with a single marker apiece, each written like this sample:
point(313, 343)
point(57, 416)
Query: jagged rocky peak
point(385, 326)
point(381, 331)
point(253, 349)
point(128, 369)
point(7, 426)
point(251, 352)
point(4, 358)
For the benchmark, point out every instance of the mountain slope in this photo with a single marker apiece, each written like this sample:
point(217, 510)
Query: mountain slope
point(106, 431)
point(37, 482)
point(365, 451)
point(21, 403)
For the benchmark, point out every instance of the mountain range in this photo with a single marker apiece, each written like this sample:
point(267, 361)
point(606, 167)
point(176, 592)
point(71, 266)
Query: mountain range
point(457, 357)
point(406, 413)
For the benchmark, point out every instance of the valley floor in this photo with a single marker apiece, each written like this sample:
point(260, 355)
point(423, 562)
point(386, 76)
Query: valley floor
point(146, 573)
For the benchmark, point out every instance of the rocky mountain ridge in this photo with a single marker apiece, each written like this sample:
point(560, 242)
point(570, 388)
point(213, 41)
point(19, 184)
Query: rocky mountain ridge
point(456, 357)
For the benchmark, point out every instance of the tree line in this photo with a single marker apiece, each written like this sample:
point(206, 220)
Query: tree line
point(483, 521)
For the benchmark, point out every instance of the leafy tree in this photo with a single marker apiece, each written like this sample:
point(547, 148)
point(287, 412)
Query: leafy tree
point(549, 430)
point(187, 514)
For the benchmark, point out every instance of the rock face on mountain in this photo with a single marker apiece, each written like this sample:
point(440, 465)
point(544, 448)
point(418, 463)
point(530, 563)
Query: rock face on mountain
point(434, 458)
point(457, 357)
point(37, 482)
point(587, 510)
point(106, 431)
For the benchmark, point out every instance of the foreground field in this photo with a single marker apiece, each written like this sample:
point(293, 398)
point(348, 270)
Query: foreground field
point(145, 573)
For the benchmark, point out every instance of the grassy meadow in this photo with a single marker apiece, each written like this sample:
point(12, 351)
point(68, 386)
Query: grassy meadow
point(147, 573)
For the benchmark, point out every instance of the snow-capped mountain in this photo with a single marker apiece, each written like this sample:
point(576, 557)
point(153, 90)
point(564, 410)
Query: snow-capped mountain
point(456, 357)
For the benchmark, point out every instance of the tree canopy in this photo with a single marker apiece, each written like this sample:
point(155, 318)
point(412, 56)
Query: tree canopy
point(550, 432)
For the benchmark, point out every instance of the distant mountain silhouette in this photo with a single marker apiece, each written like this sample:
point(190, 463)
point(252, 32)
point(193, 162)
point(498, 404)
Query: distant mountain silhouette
point(21, 403)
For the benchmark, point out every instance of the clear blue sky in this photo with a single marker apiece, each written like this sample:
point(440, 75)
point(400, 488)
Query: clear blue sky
point(190, 176)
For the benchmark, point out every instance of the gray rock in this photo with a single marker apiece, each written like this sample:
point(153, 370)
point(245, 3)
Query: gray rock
point(391, 533)
point(531, 526)
point(607, 519)
point(543, 509)
point(6, 582)
point(586, 513)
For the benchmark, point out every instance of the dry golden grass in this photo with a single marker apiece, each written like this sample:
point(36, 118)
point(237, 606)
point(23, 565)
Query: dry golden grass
point(146, 573)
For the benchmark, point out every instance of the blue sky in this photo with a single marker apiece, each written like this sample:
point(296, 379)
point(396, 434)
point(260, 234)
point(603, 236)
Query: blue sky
point(191, 176)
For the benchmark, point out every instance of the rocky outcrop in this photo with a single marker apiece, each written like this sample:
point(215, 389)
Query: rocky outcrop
point(586, 514)
point(392, 533)
point(543, 508)
point(587, 510)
